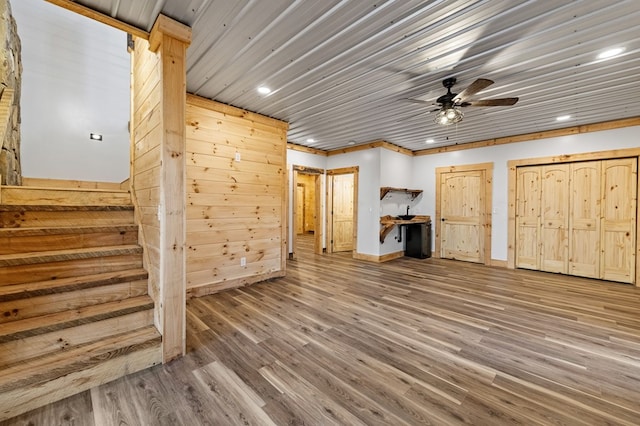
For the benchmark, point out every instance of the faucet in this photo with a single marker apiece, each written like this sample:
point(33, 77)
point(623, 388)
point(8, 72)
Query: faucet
point(407, 209)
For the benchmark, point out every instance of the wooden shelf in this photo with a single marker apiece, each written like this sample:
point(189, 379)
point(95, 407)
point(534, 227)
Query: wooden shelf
point(388, 222)
point(387, 189)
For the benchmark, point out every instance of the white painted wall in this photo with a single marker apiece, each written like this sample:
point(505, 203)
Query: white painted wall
point(368, 162)
point(395, 171)
point(75, 81)
point(424, 169)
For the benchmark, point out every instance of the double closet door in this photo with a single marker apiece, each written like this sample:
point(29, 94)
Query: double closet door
point(578, 218)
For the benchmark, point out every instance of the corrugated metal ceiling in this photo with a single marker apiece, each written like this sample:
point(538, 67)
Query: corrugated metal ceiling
point(341, 70)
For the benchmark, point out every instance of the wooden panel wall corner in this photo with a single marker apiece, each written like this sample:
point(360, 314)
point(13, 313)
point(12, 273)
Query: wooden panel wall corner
point(145, 99)
point(158, 93)
point(236, 197)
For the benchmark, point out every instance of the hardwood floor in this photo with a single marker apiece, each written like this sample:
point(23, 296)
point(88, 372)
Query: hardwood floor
point(411, 341)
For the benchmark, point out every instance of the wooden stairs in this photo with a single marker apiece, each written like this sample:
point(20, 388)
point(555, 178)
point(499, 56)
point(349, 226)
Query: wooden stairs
point(74, 308)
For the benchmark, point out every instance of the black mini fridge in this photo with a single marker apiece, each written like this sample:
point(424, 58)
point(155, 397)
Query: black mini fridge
point(418, 240)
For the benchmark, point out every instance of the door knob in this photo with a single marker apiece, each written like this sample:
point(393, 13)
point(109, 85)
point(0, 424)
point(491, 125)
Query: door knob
point(443, 219)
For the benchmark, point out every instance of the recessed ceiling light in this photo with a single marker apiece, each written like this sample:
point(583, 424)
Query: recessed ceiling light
point(610, 53)
point(563, 117)
point(95, 136)
point(429, 141)
point(351, 143)
point(264, 90)
point(310, 140)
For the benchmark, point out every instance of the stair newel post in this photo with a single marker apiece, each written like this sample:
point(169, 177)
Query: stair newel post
point(172, 40)
point(165, 132)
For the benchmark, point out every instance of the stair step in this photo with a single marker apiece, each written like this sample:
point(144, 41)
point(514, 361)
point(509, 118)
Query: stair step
point(20, 240)
point(64, 183)
point(17, 351)
point(12, 208)
point(39, 216)
point(43, 288)
point(55, 365)
point(39, 381)
point(61, 320)
point(18, 259)
point(31, 195)
point(16, 310)
point(72, 268)
point(43, 232)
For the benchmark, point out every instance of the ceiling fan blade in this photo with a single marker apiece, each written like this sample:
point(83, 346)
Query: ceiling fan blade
point(418, 101)
point(475, 87)
point(492, 102)
point(413, 116)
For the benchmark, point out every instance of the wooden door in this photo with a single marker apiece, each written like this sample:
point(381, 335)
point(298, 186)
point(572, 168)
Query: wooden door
point(554, 207)
point(343, 212)
point(584, 220)
point(618, 234)
point(300, 210)
point(587, 218)
point(462, 207)
point(528, 184)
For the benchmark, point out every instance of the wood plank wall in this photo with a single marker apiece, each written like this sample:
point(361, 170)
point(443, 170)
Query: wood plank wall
point(309, 183)
point(146, 156)
point(235, 209)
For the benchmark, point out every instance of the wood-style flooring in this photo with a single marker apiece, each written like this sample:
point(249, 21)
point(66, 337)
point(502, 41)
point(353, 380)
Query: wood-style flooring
point(407, 342)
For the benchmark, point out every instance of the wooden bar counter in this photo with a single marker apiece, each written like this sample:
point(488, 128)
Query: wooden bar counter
point(388, 222)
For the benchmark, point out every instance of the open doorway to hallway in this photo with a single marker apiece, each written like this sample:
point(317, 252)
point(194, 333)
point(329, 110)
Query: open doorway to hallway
point(307, 210)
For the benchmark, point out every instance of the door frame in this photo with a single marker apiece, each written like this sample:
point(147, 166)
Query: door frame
point(570, 158)
point(296, 209)
point(329, 197)
point(318, 236)
point(487, 168)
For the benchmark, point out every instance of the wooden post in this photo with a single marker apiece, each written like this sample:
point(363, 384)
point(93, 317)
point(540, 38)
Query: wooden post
point(170, 39)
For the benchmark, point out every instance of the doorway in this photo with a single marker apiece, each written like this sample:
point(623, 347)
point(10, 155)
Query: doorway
point(578, 218)
point(307, 207)
point(342, 209)
point(463, 212)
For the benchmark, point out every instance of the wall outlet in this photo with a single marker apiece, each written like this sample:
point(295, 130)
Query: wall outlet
point(237, 156)
point(243, 261)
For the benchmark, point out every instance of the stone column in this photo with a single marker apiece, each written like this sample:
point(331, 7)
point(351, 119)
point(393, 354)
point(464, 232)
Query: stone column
point(10, 79)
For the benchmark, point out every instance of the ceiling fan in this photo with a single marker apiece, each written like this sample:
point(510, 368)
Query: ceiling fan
point(450, 103)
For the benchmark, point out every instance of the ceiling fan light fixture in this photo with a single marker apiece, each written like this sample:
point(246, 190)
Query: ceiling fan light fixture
point(448, 116)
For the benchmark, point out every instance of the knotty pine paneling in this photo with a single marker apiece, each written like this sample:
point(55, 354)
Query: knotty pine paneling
point(235, 209)
point(145, 175)
point(204, 174)
point(309, 183)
